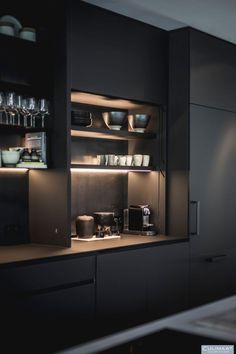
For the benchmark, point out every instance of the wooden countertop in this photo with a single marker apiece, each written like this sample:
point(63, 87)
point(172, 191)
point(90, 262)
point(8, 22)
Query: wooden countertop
point(28, 252)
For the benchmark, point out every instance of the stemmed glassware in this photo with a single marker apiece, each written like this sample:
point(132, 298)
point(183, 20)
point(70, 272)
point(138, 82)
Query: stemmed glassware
point(2, 106)
point(10, 107)
point(25, 113)
point(43, 110)
point(16, 106)
point(32, 108)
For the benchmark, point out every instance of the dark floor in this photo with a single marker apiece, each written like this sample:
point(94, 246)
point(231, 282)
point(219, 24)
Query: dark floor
point(165, 342)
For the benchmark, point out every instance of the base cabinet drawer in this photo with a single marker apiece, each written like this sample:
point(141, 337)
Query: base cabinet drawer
point(46, 274)
point(212, 276)
point(76, 303)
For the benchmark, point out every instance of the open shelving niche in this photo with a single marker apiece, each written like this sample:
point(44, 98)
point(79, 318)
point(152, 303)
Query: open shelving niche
point(113, 188)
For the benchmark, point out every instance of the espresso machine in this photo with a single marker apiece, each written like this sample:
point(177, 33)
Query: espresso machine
point(139, 220)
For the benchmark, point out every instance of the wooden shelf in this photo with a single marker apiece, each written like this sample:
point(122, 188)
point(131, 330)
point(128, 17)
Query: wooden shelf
point(115, 168)
point(102, 133)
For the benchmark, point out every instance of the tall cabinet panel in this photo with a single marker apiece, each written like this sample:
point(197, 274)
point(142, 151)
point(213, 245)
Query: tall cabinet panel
point(202, 148)
point(212, 178)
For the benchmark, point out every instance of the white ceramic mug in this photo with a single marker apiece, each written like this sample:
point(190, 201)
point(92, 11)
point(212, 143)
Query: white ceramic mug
point(101, 159)
point(116, 160)
point(111, 159)
point(138, 159)
point(146, 160)
point(129, 160)
point(122, 160)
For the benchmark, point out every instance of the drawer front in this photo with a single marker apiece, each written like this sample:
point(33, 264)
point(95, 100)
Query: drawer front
point(70, 303)
point(212, 276)
point(44, 275)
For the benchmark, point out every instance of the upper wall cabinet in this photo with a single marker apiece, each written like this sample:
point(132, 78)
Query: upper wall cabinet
point(116, 56)
point(212, 71)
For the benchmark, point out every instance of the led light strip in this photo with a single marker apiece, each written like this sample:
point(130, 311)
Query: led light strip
point(13, 169)
point(74, 169)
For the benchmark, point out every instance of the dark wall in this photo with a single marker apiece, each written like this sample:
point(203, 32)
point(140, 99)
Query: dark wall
point(115, 55)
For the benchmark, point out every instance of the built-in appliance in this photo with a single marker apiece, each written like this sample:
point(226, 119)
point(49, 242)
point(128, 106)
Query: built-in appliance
point(139, 220)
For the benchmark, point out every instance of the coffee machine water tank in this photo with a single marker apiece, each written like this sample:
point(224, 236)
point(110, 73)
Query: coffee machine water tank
point(139, 217)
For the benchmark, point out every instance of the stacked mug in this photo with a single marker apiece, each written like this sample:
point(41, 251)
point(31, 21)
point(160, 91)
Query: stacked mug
point(123, 160)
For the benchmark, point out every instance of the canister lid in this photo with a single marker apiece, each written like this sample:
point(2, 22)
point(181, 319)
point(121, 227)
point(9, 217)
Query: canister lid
point(85, 217)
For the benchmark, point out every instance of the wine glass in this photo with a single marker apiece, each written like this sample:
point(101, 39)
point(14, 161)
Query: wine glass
point(43, 109)
point(25, 112)
point(10, 106)
point(2, 106)
point(32, 109)
point(18, 106)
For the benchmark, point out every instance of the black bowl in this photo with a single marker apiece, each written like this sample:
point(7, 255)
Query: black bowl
point(115, 119)
point(81, 113)
point(139, 120)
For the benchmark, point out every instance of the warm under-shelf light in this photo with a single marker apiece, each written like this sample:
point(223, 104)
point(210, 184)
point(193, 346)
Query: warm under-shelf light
point(13, 169)
point(97, 170)
point(98, 100)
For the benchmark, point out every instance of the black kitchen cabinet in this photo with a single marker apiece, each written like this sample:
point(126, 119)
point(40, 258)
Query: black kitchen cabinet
point(121, 288)
point(200, 158)
point(66, 304)
point(113, 55)
point(212, 71)
point(167, 279)
point(202, 150)
point(212, 179)
point(60, 290)
point(134, 286)
point(32, 214)
point(212, 276)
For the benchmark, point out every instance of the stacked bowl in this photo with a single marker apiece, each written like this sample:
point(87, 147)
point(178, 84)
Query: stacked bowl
point(81, 118)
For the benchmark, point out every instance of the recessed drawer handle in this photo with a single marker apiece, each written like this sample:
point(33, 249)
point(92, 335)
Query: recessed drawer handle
point(217, 258)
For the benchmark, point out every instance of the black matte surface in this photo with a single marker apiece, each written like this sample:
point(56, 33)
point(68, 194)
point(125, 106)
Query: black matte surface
point(178, 133)
point(114, 55)
point(212, 177)
point(14, 207)
point(213, 71)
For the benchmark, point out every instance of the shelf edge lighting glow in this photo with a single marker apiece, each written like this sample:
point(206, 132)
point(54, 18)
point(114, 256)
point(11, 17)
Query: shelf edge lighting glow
point(98, 100)
point(13, 169)
point(97, 170)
